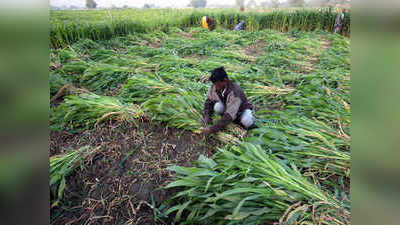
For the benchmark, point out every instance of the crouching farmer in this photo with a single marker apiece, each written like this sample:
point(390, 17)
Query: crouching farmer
point(228, 100)
point(208, 23)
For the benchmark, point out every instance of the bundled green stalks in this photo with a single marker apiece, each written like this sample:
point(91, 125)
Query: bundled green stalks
point(63, 165)
point(227, 137)
point(184, 110)
point(86, 110)
point(140, 88)
point(308, 143)
point(244, 185)
point(56, 81)
point(178, 110)
point(259, 93)
point(316, 100)
point(102, 77)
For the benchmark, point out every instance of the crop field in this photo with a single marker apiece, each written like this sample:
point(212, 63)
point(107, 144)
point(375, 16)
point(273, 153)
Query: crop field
point(70, 26)
point(125, 117)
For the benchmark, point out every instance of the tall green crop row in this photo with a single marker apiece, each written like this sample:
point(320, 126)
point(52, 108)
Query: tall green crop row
point(281, 20)
point(68, 27)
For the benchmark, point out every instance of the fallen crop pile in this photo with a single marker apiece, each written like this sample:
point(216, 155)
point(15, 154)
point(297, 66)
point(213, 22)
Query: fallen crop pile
point(83, 111)
point(244, 184)
point(63, 165)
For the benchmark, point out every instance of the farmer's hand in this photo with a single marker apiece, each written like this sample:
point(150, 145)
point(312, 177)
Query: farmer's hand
point(206, 120)
point(207, 131)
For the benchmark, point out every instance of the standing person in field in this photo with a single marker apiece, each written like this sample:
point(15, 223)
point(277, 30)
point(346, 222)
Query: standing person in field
point(339, 21)
point(228, 100)
point(208, 23)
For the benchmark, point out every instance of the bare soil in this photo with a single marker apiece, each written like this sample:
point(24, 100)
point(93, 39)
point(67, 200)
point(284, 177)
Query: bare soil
point(124, 180)
point(255, 49)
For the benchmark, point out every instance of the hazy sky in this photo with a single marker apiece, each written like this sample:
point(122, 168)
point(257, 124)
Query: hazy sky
point(137, 3)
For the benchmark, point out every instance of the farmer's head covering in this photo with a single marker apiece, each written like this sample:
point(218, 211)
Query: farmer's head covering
point(218, 74)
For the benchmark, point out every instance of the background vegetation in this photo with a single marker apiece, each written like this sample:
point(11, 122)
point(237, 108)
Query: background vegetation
point(70, 26)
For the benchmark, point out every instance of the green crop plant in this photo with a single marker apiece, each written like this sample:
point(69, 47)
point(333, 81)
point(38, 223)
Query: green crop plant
point(70, 26)
point(170, 62)
point(257, 92)
point(56, 81)
point(245, 185)
point(84, 111)
point(61, 166)
point(100, 77)
point(140, 88)
point(75, 68)
point(308, 143)
point(323, 103)
point(182, 110)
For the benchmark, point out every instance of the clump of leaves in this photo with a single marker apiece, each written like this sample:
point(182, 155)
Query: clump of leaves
point(84, 111)
point(61, 166)
point(245, 185)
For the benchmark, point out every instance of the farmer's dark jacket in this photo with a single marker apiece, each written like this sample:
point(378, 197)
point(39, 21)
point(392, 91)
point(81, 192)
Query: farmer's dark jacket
point(234, 100)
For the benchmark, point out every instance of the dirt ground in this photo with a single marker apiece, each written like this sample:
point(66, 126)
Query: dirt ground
point(255, 49)
point(120, 184)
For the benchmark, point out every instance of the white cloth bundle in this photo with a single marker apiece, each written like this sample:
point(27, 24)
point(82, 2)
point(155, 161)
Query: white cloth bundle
point(247, 118)
point(219, 108)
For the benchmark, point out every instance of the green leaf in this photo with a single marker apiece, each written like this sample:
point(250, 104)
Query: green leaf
point(207, 162)
point(179, 183)
point(239, 216)
point(236, 210)
point(181, 208)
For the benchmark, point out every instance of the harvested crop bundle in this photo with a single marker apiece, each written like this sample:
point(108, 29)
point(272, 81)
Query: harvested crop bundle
point(84, 111)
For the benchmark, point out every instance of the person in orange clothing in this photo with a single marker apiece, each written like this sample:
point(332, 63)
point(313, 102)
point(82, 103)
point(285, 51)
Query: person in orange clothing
point(208, 23)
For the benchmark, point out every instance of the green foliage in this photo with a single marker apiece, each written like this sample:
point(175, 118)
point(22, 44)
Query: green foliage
point(308, 143)
point(140, 88)
point(104, 77)
point(56, 81)
point(181, 110)
point(63, 165)
point(69, 26)
point(84, 111)
point(245, 185)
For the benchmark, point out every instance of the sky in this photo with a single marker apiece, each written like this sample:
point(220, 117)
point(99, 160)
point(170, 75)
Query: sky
point(139, 3)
